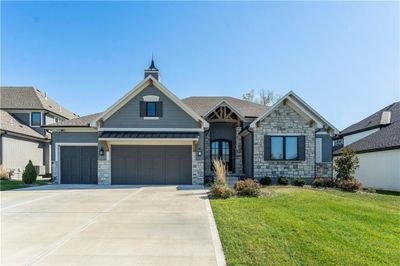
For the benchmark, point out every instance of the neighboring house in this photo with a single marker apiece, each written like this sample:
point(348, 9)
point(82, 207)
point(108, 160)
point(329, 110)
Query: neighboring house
point(376, 140)
point(24, 110)
point(150, 136)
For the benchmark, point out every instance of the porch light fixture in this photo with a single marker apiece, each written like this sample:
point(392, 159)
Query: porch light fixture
point(101, 152)
point(199, 153)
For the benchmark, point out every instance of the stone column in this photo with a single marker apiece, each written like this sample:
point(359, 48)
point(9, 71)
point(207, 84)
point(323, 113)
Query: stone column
point(207, 153)
point(54, 171)
point(104, 172)
point(197, 169)
point(238, 153)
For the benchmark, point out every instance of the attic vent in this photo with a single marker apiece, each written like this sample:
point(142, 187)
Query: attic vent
point(385, 118)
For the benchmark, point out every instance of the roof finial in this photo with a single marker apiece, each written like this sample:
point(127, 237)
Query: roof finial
point(152, 65)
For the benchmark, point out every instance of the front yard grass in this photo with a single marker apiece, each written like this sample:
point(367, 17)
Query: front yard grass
point(14, 184)
point(304, 226)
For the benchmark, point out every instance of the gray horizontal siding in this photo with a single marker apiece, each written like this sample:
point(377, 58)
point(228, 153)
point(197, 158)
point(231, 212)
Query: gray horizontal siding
point(71, 137)
point(128, 116)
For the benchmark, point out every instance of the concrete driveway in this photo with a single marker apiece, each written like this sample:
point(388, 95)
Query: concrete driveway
point(94, 225)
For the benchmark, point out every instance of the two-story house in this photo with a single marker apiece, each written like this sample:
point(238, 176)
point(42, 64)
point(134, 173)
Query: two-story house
point(150, 136)
point(23, 112)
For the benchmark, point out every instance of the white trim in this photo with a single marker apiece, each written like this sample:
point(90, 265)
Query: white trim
point(30, 119)
point(73, 129)
point(322, 133)
point(240, 114)
point(151, 118)
point(58, 150)
point(151, 98)
point(292, 97)
point(140, 87)
point(152, 129)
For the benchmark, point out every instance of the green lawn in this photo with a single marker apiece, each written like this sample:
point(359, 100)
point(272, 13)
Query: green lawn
point(14, 184)
point(298, 226)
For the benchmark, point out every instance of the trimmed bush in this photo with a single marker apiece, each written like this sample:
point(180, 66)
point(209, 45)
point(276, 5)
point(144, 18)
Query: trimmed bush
point(219, 190)
point(323, 182)
point(283, 181)
point(350, 185)
point(299, 182)
point(266, 181)
point(247, 188)
point(29, 175)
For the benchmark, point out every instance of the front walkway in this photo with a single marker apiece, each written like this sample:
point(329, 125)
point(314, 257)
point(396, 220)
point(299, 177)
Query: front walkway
point(78, 225)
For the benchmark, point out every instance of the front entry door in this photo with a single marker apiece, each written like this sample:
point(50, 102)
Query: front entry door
point(222, 149)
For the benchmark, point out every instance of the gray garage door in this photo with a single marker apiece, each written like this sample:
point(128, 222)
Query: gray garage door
point(151, 165)
point(78, 165)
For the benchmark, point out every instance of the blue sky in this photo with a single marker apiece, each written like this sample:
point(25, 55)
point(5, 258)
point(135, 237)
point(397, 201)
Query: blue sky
point(341, 57)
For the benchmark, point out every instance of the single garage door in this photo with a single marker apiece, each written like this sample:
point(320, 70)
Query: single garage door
point(151, 165)
point(78, 164)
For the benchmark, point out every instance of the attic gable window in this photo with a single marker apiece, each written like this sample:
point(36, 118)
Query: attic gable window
point(36, 119)
point(151, 109)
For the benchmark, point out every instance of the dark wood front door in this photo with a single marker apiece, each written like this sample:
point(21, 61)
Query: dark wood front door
point(222, 149)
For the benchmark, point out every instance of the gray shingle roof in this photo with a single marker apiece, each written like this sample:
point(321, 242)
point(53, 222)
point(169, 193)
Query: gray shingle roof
point(388, 137)
point(202, 104)
point(83, 121)
point(31, 98)
point(374, 119)
point(9, 123)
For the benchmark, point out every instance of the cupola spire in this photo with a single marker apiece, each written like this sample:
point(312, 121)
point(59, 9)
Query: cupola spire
point(152, 70)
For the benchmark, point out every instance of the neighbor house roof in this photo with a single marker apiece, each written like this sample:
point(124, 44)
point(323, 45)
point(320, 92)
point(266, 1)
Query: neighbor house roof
point(374, 120)
point(9, 124)
point(83, 121)
point(14, 98)
point(202, 104)
point(388, 137)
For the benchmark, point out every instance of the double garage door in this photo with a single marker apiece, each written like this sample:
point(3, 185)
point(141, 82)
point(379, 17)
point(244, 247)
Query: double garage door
point(151, 165)
point(130, 165)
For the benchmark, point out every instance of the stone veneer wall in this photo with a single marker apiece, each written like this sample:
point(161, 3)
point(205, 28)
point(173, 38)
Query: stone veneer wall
point(324, 170)
point(197, 169)
point(54, 171)
point(207, 154)
point(238, 152)
point(284, 120)
point(104, 172)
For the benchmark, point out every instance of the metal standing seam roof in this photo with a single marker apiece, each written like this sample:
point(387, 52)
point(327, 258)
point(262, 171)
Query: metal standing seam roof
point(31, 98)
point(148, 135)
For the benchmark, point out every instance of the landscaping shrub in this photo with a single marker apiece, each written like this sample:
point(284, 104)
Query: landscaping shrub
point(350, 185)
point(29, 175)
point(220, 190)
point(283, 181)
point(247, 188)
point(4, 175)
point(346, 164)
point(318, 182)
point(299, 182)
point(208, 180)
point(266, 181)
point(323, 182)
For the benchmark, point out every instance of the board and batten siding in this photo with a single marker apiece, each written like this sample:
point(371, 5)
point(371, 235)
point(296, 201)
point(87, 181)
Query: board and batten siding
point(128, 116)
point(71, 137)
point(380, 169)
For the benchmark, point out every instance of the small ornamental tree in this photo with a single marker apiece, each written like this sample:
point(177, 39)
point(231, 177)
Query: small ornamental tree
point(346, 164)
point(29, 175)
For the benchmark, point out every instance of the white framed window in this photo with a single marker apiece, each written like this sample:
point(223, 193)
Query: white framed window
point(36, 119)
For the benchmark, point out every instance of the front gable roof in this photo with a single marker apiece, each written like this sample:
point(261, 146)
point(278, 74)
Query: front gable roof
point(299, 106)
point(149, 80)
